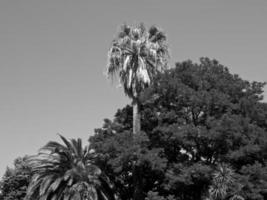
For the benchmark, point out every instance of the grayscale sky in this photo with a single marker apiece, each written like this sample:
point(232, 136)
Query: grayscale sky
point(53, 54)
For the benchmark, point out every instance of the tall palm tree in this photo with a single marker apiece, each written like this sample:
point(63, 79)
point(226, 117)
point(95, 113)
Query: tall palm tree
point(67, 172)
point(135, 57)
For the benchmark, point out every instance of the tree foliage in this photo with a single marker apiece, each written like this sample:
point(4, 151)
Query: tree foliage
point(15, 181)
point(195, 117)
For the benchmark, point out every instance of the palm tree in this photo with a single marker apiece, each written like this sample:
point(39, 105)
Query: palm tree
point(136, 56)
point(67, 172)
point(224, 184)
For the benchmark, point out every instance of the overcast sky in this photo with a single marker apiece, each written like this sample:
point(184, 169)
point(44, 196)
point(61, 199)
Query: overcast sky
point(53, 54)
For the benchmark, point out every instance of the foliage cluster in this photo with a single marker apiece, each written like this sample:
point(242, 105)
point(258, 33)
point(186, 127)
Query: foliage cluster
point(15, 181)
point(196, 118)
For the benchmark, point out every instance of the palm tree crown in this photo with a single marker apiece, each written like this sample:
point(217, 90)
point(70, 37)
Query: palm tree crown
point(224, 184)
point(136, 56)
point(66, 172)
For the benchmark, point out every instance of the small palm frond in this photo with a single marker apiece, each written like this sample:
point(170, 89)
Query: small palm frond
point(65, 172)
point(137, 56)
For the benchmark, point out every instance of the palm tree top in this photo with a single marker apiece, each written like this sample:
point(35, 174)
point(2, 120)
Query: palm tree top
point(224, 184)
point(136, 56)
point(67, 171)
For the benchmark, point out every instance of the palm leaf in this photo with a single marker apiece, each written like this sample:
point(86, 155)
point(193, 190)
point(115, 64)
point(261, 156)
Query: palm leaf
point(64, 172)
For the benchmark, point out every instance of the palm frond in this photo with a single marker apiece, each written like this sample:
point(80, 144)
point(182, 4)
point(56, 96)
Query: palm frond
point(66, 142)
point(64, 172)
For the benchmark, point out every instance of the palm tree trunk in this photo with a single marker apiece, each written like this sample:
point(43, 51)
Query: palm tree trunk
point(138, 193)
point(136, 117)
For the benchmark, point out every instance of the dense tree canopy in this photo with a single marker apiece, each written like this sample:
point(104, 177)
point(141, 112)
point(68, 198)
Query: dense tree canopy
point(15, 181)
point(195, 118)
point(204, 136)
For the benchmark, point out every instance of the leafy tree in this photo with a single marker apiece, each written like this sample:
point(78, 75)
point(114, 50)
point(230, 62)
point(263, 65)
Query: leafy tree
point(136, 56)
point(67, 172)
point(253, 177)
point(195, 117)
point(16, 180)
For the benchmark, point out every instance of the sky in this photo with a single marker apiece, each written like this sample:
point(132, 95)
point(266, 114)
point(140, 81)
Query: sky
point(53, 56)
